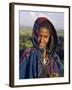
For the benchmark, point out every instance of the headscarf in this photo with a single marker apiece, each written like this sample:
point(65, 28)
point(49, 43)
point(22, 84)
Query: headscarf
point(44, 22)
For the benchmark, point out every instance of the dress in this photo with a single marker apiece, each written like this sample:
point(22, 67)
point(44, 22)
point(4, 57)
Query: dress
point(32, 66)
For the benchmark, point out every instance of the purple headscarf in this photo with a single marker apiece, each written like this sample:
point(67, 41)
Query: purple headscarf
point(44, 22)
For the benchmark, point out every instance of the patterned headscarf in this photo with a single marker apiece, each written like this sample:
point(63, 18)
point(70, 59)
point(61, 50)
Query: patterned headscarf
point(44, 22)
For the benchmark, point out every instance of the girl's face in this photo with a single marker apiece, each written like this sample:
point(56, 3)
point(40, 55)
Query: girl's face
point(43, 37)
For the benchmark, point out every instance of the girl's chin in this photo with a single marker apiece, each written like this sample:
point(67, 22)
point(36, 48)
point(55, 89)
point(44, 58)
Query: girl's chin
point(41, 47)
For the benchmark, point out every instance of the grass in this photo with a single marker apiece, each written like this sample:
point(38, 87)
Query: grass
point(28, 31)
point(60, 33)
point(25, 31)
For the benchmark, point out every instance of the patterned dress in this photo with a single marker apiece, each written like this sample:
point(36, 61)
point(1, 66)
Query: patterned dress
point(32, 66)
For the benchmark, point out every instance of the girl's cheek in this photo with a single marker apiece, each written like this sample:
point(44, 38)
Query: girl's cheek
point(46, 40)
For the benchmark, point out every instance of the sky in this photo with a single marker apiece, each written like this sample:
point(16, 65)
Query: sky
point(27, 18)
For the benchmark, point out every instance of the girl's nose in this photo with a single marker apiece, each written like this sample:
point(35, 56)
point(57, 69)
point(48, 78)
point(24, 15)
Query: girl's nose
point(41, 39)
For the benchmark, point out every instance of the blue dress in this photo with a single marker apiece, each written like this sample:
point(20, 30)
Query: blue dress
point(32, 67)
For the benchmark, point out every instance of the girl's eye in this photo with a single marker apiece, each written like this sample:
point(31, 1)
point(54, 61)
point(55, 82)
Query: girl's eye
point(46, 36)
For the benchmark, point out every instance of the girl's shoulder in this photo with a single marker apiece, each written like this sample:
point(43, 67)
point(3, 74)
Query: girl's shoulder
point(57, 60)
point(25, 53)
point(56, 57)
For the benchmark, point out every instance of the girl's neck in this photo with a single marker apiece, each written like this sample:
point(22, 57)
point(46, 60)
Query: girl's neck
point(44, 54)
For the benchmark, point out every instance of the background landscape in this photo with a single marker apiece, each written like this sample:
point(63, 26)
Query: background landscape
point(25, 30)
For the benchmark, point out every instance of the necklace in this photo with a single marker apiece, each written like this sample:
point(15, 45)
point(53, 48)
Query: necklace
point(44, 61)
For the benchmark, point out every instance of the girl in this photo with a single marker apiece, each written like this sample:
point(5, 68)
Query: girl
point(41, 61)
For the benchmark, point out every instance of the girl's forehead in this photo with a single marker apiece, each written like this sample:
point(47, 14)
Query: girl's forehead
point(44, 30)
